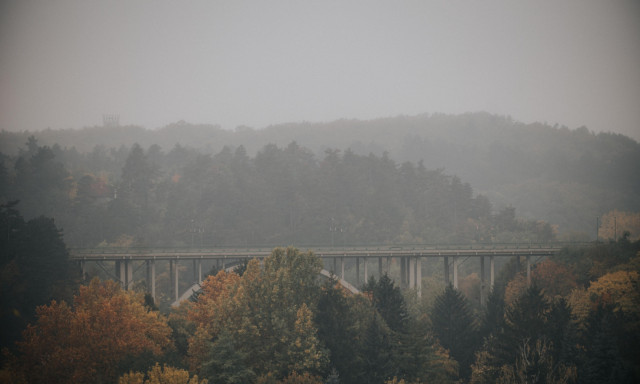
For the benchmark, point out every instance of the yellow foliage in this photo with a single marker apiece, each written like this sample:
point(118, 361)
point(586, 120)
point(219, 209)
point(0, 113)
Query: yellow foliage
point(161, 375)
point(580, 304)
point(621, 288)
point(131, 378)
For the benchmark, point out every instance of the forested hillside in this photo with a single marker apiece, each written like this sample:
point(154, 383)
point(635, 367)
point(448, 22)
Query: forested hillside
point(280, 196)
point(565, 177)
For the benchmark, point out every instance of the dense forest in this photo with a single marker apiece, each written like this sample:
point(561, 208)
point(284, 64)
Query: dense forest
point(390, 181)
point(275, 322)
point(280, 196)
point(562, 176)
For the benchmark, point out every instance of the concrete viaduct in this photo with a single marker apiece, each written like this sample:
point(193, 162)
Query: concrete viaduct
point(408, 256)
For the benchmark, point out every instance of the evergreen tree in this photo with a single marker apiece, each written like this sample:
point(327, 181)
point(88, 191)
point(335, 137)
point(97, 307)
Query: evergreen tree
point(493, 317)
point(337, 330)
point(602, 361)
point(455, 327)
point(389, 302)
point(377, 355)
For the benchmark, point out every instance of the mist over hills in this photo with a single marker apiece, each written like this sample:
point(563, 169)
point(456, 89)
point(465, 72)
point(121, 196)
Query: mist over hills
point(563, 176)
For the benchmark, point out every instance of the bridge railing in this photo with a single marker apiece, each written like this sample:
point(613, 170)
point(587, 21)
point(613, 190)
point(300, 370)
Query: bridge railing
point(266, 250)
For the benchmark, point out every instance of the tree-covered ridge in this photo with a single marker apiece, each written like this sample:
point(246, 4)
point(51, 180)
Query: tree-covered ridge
point(280, 196)
point(565, 177)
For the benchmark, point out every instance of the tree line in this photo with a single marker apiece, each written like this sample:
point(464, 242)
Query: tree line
point(281, 196)
point(275, 322)
point(564, 176)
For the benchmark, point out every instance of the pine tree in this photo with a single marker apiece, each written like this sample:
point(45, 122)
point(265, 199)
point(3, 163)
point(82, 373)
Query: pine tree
point(378, 358)
point(455, 327)
point(389, 302)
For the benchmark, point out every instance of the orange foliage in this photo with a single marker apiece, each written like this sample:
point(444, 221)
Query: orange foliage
point(621, 288)
point(210, 313)
point(554, 279)
point(86, 342)
point(215, 291)
point(515, 288)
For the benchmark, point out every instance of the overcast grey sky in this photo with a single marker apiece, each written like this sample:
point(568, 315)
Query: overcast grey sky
point(63, 63)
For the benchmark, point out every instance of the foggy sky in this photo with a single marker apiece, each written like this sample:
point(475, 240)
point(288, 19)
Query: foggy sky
point(63, 64)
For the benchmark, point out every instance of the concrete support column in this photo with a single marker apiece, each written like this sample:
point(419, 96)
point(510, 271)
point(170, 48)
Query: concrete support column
point(224, 260)
point(176, 289)
point(151, 278)
point(412, 272)
point(121, 272)
point(357, 271)
point(403, 271)
point(419, 275)
point(492, 271)
point(171, 278)
point(482, 284)
point(446, 270)
point(129, 273)
point(455, 272)
point(342, 267)
point(379, 267)
point(335, 266)
point(528, 270)
point(199, 271)
point(366, 270)
point(195, 271)
point(83, 267)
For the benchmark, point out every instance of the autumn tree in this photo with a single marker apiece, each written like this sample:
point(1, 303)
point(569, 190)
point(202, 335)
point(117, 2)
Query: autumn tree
point(267, 315)
point(86, 341)
point(160, 375)
point(555, 279)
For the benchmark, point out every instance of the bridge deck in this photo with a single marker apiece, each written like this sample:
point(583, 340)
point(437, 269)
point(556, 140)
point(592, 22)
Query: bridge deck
point(323, 252)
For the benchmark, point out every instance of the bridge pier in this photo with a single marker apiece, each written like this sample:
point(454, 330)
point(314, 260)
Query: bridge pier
point(342, 267)
point(357, 271)
point(446, 270)
point(528, 260)
point(455, 272)
point(123, 273)
point(197, 271)
point(151, 278)
point(366, 270)
point(482, 284)
point(173, 271)
point(412, 272)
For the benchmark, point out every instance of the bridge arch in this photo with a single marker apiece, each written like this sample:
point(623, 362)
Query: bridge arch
point(324, 273)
